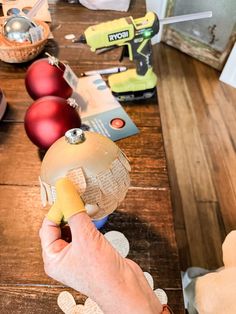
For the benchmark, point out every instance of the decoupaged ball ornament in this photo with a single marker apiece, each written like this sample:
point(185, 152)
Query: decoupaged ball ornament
point(17, 28)
point(44, 77)
point(48, 118)
point(96, 166)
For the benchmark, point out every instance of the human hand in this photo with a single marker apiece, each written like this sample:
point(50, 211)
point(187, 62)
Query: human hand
point(90, 264)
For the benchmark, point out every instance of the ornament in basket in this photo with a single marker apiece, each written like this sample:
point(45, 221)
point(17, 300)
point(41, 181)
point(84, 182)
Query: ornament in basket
point(21, 38)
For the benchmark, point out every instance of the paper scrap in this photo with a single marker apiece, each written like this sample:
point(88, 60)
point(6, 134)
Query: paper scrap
point(101, 214)
point(124, 160)
point(107, 183)
point(78, 309)
point(66, 302)
point(90, 307)
point(69, 36)
point(48, 192)
point(108, 204)
point(149, 279)
point(53, 193)
point(78, 178)
point(92, 194)
point(118, 241)
point(162, 296)
point(122, 196)
point(43, 193)
point(120, 174)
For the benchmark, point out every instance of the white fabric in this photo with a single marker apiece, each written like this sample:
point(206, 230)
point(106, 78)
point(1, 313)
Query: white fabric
point(189, 282)
point(213, 292)
point(121, 5)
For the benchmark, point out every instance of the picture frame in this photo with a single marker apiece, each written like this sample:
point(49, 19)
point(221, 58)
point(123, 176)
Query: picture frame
point(207, 50)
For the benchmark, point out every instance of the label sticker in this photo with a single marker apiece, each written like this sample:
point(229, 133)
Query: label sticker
point(70, 77)
point(36, 34)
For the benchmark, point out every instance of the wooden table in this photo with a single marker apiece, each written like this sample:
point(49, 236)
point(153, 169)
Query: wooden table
point(145, 217)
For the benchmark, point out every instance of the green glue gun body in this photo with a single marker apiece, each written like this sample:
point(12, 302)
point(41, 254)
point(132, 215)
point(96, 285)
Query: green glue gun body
point(136, 34)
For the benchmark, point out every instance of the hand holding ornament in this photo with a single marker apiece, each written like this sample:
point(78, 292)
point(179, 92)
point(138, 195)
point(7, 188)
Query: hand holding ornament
point(89, 263)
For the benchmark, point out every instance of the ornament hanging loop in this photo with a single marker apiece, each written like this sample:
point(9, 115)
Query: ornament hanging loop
point(72, 102)
point(53, 60)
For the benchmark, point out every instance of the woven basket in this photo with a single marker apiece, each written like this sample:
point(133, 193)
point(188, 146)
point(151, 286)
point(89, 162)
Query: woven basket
point(13, 52)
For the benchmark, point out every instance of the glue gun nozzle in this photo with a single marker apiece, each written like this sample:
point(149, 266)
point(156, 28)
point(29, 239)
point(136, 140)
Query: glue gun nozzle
point(81, 39)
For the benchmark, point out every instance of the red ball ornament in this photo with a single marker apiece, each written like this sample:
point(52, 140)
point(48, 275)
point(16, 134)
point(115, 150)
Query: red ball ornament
point(48, 118)
point(44, 79)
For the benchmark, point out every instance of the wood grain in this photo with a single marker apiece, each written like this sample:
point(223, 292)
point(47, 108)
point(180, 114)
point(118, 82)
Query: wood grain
point(41, 300)
point(145, 216)
point(197, 112)
point(145, 213)
point(33, 299)
point(20, 159)
point(140, 214)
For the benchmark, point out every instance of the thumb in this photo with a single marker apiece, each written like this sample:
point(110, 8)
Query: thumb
point(73, 210)
point(68, 199)
point(82, 228)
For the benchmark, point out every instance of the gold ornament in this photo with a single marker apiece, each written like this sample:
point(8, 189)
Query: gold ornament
point(96, 166)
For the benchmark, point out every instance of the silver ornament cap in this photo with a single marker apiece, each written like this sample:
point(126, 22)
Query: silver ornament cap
point(75, 136)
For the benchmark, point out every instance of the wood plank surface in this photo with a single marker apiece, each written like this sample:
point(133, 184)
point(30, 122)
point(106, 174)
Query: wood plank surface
point(33, 299)
point(145, 216)
point(197, 113)
point(146, 157)
point(41, 300)
point(140, 214)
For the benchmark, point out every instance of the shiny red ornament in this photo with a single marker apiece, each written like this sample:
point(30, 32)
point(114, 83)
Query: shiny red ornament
point(45, 79)
point(48, 118)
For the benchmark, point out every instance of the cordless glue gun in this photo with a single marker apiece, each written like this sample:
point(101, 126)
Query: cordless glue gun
point(138, 83)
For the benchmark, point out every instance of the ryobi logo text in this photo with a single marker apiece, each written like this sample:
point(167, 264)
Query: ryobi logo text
point(118, 35)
